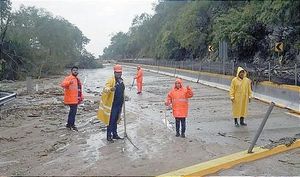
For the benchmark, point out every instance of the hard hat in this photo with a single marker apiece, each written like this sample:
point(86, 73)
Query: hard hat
point(117, 68)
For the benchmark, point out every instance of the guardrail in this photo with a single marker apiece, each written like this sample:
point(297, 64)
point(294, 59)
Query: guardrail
point(285, 96)
point(256, 72)
point(6, 97)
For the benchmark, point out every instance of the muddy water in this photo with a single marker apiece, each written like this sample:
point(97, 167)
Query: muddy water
point(40, 145)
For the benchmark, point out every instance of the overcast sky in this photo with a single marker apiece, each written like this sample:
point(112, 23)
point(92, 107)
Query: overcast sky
point(97, 19)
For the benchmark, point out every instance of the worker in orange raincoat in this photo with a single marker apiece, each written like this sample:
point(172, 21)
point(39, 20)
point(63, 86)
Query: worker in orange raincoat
point(112, 100)
point(139, 79)
point(240, 95)
point(72, 95)
point(178, 98)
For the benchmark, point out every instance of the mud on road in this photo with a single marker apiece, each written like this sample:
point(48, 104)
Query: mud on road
point(34, 140)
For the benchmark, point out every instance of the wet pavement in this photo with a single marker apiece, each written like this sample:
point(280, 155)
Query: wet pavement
point(50, 149)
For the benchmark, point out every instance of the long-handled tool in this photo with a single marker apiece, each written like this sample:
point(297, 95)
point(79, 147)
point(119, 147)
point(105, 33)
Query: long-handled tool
point(167, 123)
point(132, 84)
point(166, 120)
point(125, 130)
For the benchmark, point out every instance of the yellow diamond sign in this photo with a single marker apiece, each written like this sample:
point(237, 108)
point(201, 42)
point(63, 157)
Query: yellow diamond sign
point(279, 46)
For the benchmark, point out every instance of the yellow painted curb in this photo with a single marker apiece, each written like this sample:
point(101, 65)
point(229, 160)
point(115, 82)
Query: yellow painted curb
point(229, 161)
point(282, 86)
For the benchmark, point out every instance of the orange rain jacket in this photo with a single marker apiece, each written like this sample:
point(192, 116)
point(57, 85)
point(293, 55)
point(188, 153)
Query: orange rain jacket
point(139, 79)
point(73, 90)
point(179, 100)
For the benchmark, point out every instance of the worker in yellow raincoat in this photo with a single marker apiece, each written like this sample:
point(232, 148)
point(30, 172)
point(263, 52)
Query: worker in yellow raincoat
point(111, 103)
point(240, 95)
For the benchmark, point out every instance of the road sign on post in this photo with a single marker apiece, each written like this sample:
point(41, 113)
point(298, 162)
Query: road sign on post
point(278, 47)
point(220, 50)
point(210, 48)
point(223, 53)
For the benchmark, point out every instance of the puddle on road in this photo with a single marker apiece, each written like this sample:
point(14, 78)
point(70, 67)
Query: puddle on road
point(8, 162)
point(94, 143)
point(63, 148)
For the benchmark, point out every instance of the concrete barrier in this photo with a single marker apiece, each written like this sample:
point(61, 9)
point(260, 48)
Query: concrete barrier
point(285, 96)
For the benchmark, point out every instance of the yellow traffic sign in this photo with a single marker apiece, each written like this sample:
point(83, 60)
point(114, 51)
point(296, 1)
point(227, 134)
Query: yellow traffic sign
point(210, 48)
point(279, 46)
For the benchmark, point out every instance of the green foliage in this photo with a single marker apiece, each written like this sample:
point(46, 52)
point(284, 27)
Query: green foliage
point(5, 8)
point(276, 12)
point(46, 43)
point(86, 61)
point(192, 27)
point(184, 29)
point(118, 46)
point(234, 25)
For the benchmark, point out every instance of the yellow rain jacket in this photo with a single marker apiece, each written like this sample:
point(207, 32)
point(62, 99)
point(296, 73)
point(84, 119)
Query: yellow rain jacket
point(107, 98)
point(240, 92)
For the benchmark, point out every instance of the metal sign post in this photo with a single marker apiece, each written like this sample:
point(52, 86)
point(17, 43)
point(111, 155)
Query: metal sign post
point(279, 49)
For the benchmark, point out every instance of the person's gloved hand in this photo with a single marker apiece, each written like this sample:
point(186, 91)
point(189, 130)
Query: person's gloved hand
point(80, 100)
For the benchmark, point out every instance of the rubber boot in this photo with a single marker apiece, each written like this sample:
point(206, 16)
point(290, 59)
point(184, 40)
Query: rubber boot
point(117, 137)
point(74, 128)
point(109, 139)
point(242, 122)
point(236, 123)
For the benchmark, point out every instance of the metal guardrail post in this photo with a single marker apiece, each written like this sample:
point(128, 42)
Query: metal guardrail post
point(200, 65)
point(261, 127)
point(29, 84)
point(224, 67)
point(192, 65)
point(175, 72)
point(296, 75)
point(232, 67)
point(199, 74)
point(269, 71)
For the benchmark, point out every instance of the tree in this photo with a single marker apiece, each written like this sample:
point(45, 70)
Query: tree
point(184, 29)
point(46, 44)
point(5, 8)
